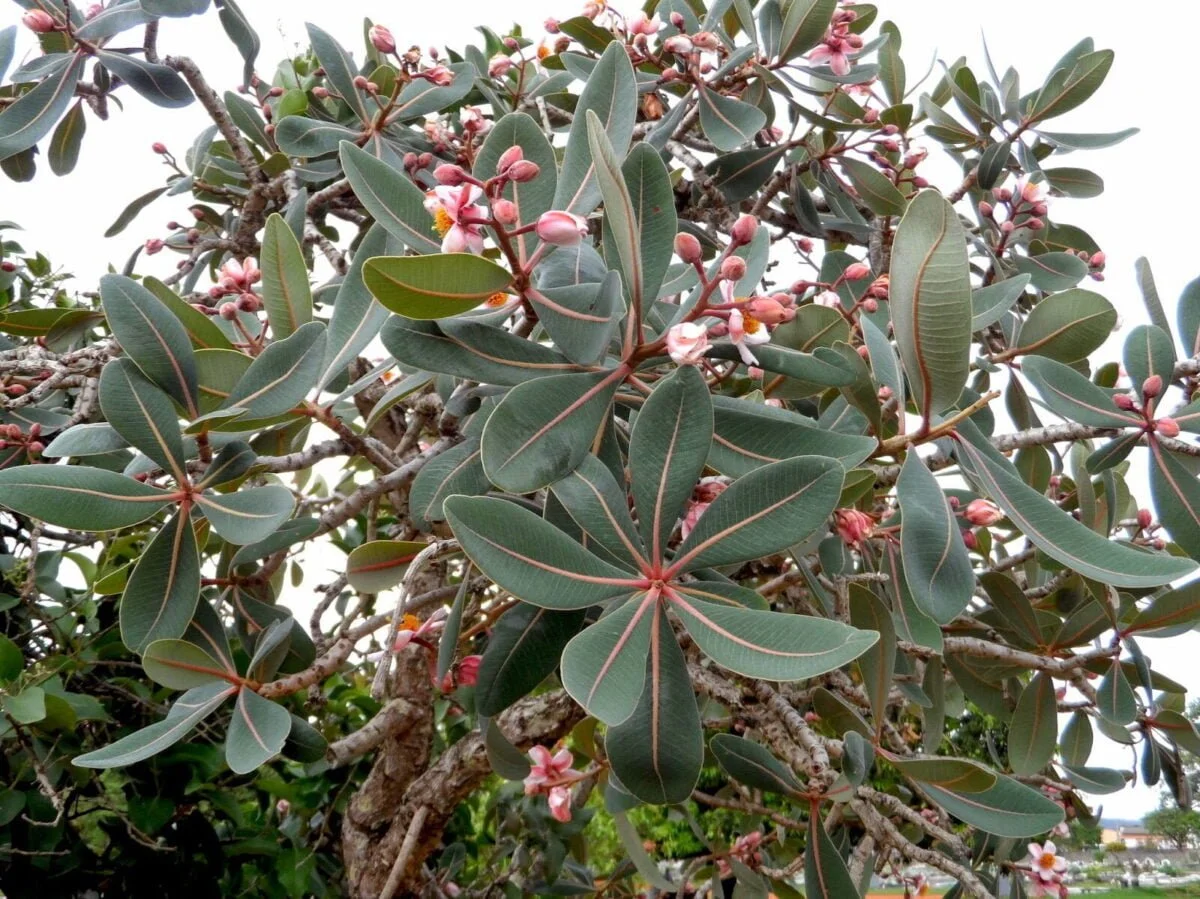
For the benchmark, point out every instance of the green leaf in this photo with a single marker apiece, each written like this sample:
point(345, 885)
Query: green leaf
point(1066, 89)
point(1059, 535)
point(456, 471)
point(962, 775)
point(1073, 182)
point(772, 645)
point(505, 759)
point(1014, 606)
point(635, 849)
point(12, 661)
point(667, 452)
point(433, 287)
point(188, 710)
point(247, 516)
point(767, 510)
point(622, 229)
point(159, 84)
point(420, 97)
point(1180, 729)
point(1033, 728)
point(27, 706)
point(1067, 326)
point(282, 375)
point(825, 873)
point(299, 135)
point(543, 428)
point(143, 415)
point(600, 507)
point(1097, 781)
point(1149, 350)
point(304, 742)
point(1169, 614)
point(931, 301)
point(181, 665)
point(379, 565)
point(63, 151)
point(160, 599)
point(130, 212)
point(873, 187)
point(30, 118)
point(739, 175)
point(156, 340)
point(285, 290)
point(604, 665)
point(79, 498)
point(1076, 141)
point(804, 24)
point(8, 42)
point(340, 71)
point(1075, 744)
point(244, 38)
point(727, 122)
point(937, 567)
point(991, 302)
point(234, 460)
point(652, 198)
point(1074, 397)
point(257, 732)
point(1176, 495)
point(391, 198)
point(1052, 271)
point(753, 765)
point(523, 650)
point(610, 93)
point(200, 328)
point(993, 163)
point(878, 664)
point(529, 557)
point(580, 318)
point(1115, 699)
point(658, 751)
point(1008, 809)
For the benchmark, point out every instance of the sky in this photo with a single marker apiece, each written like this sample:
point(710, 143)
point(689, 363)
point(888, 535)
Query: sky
point(1146, 209)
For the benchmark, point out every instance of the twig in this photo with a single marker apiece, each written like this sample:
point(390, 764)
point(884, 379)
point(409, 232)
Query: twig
point(406, 849)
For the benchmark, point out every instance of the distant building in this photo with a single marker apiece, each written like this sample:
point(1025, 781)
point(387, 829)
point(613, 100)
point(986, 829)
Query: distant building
point(1133, 836)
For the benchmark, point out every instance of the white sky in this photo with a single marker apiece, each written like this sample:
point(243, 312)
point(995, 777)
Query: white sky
point(1147, 208)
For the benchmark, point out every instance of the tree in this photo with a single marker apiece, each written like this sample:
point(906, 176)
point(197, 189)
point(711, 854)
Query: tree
point(682, 482)
point(1181, 827)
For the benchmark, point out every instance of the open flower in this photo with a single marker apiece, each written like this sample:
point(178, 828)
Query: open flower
point(833, 51)
point(1030, 191)
point(560, 804)
point(1048, 866)
point(451, 208)
point(640, 23)
point(746, 331)
point(547, 769)
point(687, 342)
point(853, 526)
point(412, 628)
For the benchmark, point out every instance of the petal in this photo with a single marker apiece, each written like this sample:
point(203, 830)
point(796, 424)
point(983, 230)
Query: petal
point(541, 756)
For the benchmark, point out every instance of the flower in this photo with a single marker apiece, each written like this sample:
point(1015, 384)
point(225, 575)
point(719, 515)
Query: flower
point(153, 245)
point(547, 769)
point(746, 331)
point(449, 206)
point(560, 804)
point(853, 526)
point(771, 310)
point(640, 23)
point(1030, 191)
point(856, 271)
point(563, 229)
point(1047, 865)
point(828, 298)
point(832, 51)
point(920, 886)
point(237, 277)
point(473, 121)
point(468, 671)
point(412, 628)
point(744, 229)
point(687, 342)
point(499, 65)
point(381, 39)
point(679, 44)
point(983, 512)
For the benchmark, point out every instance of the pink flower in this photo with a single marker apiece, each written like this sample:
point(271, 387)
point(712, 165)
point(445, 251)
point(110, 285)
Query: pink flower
point(679, 44)
point(771, 310)
point(640, 23)
point(547, 769)
point(439, 75)
point(153, 245)
point(560, 804)
point(744, 229)
point(468, 671)
point(833, 52)
point(499, 65)
point(237, 277)
point(381, 39)
point(563, 229)
point(691, 517)
point(828, 298)
point(473, 121)
point(687, 342)
point(1030, 191)
point(449, 206)
point(983, 512)
point(856, 271)
point(853, 526)
point(1047, 865)
point(413, 628)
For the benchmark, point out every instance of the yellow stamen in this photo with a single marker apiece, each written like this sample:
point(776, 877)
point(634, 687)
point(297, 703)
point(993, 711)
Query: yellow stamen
point(542, 51)
point(1047, 861)
point(497, 299)
point(750, 324)
point(442, 221)
point(409, 622)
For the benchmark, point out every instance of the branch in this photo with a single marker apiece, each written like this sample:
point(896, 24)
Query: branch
point(386, 722)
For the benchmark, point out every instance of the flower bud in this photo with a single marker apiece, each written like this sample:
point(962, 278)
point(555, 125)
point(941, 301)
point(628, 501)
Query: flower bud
point(153, 245)
point(744, 229)
point(39, 21)
point(678, 20)
point(983, 512)
point(1144, 518)
point(523, 170)
point(468, 671)
point(986, 209)
point(249, 302)
point(679, 44)
point(381, 39)
point(870, 304)
point(508, 157)
point(733, 268)
point(1152, 386)
point(499, 65)
point(1008, 227)
point(360, 82)
point(282, 807)
point(852, 525)
point(1168, 427)
point(159, 147)
point(1035, 224)
point(551, 25)
point(450, 175)
point(857, 271)
point(687, 248)
point(505, 211)
point(563, 229)
point(805, 244)
point(36, 447)
point(321, 93)
point(228, 311)
point(8, 267)
point(1124, 402)
point(768, 310)
point(970, 540)
point(15, 389)
point(1097, 259)
point(705, 40)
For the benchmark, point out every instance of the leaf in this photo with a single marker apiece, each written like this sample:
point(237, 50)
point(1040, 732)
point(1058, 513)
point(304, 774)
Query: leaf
point(667, 451)
point(524, 649)
point(12, 660)
point(188, 710)
point(1115, 699)
point(1169, 614)
point(456, 471)
point(234, 460)
point(200, 328)
point(298, 135)
point(1076, 141)
point(727, 122)
point(63, 151)
point(542, 429)
point(1176, 495)
point(282, 375)
point(611, 94)
point(79, 498)
point(635, 850)
point(657, 753)
point(1076, 741)
point(600, 507)
point(1057, 534)
point(962, 775)
point(767, 510)
point(26, 707)
point(1073, 182)
point(152, 337)
point(339, 71)
point(739, 175)
point(804, 24)
point(248, 515)
point(285, 290)
point(652, 199)
point(143, 415)
point(420, 97)
point(622, 235)
point(8, 42)
point(257, 732)
point(30, 118)
point(533, 197)
point(1074, 397)
point(433, 287)
point(753, 765)
point(1052, 271)
point(1008, 809)
point(604, 665)
point(873, 187)
point(878, 664)
point(1096, 781)
point(825, 873)
point(931, 301)
point(1149, 350)
point(529, 557)
point(379, 565)
point(771, 645)
point(180, 665)
point(991, 302)
point(937, 567)
point(244, 38)
point(159, 84)
point(1033, 728)
point(580, 318)
point(1067, 326)
point(1179, 728)
point(390, 197)
point(160, 599)
point(1068, 88)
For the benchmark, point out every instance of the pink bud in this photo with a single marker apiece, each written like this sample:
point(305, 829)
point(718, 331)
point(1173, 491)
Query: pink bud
point(687, 342)
point(986, 209)
point(499, 65)
point(857, 271)
point(560, 803)
point(7, 266)
point(1124, 402)
point(381, 39)
point(36, 447)
point(1035, 224)
point(563, 229)
point(983, 512)
point(321, 93)
point(508, 157)
point(733, 268)
point(439, 75)
point(687, 248)
point(360, 82)
point(805, 244)
point(1144, 518)
point(852, 525)
point(523, 170)
point(159, 148)
point(282, 807)
point(1097, 259)
point(679, 44)
point(505, 211)
point(870, 304)
point(1008, 227)
point(39, 21)
point(468, 671)
point(744, 229)
point(705, 40)
point(970, 540)
point(1152, 386)
point(249, 302)
point(228, 311)
point(1168, 427)
point(153, 245)
point(15, 389)
point(450, 175)
point(551, 25)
